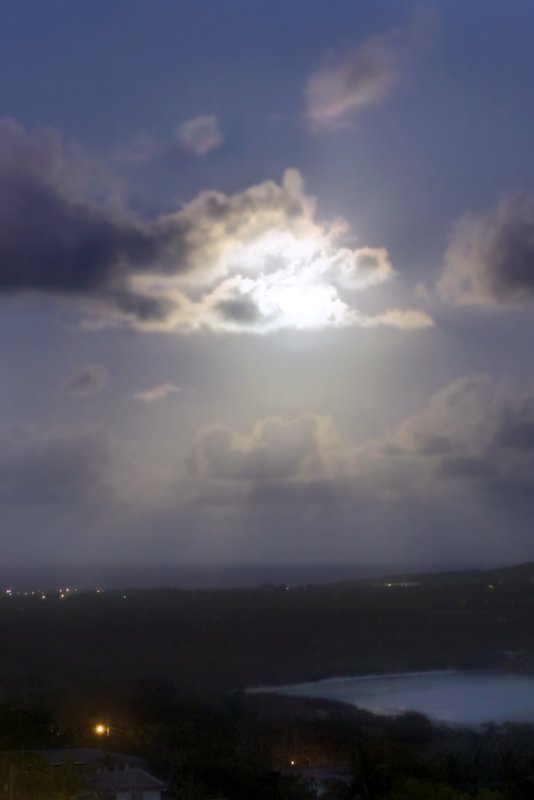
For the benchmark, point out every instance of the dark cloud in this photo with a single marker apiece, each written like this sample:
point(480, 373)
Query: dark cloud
point(516, 429)
point(490, 259)
point(475, 430)
point(54, 240)
point(467, 467)
point(86, 380)
point(238, 309)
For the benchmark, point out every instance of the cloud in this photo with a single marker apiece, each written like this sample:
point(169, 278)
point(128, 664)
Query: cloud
point(275, 449)
point(200, 135)
point(476, 435)
point(474, 429)
point(462, 465)
point(364, 76)
point(260, 262)
point(399, 318)
point(159, 392)
point(453, 481)
point(490, 258)
point(255, 261)
point(55, 239)
point(86, 380)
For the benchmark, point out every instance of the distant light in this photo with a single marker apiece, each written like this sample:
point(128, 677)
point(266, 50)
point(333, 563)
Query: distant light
point(292, 763)
point(100, 729)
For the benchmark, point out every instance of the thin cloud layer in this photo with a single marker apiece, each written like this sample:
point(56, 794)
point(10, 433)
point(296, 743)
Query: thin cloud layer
point(256, 261)
point(490, 258)
point(364, 76)
point(470, 450)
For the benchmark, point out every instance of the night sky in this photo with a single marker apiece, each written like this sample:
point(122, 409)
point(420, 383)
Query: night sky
point(266, 281)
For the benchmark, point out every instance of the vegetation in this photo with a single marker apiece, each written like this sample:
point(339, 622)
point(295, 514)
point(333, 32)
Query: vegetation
point(245, 747)
point(165, 670)
point(228, 639)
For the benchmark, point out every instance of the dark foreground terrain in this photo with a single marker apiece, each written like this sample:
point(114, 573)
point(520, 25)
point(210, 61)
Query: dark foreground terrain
point(225, 640)
point(163, 671)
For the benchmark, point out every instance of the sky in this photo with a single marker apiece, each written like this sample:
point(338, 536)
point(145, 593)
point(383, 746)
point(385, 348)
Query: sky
point(266, 281)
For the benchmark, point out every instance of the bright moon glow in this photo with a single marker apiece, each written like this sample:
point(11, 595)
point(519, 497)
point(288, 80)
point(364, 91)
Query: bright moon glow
point(286, 277)
point(308, 306)
point(291, 275)
point(263, 264)
point(293, 301)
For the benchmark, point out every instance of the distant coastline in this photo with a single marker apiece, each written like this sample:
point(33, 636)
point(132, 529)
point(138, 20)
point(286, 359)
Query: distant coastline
point(204, 576)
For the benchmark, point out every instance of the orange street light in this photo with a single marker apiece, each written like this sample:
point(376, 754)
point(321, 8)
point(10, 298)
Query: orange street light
point(101, 730)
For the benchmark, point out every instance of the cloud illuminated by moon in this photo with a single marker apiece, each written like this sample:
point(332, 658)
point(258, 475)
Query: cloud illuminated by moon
point(261, 262)
point(254, 261)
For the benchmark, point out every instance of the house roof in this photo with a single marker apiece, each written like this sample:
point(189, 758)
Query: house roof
point(124, 780)
point(321, 774)
point(87, 755)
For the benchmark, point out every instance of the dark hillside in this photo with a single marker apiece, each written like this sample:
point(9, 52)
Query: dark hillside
point(225, 640)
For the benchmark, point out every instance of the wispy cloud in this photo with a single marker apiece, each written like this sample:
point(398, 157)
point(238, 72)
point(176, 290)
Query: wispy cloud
point(200, 135)
point(159, 392)
point(363, 76)
point(197, 136)
point(86, 380)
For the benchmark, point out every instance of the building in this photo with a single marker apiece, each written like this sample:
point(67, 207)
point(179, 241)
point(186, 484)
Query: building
point(107, 775)
point(124, 784)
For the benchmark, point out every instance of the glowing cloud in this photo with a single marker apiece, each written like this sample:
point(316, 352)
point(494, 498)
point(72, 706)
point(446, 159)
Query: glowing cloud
point(259, 261)
point(255, 261)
